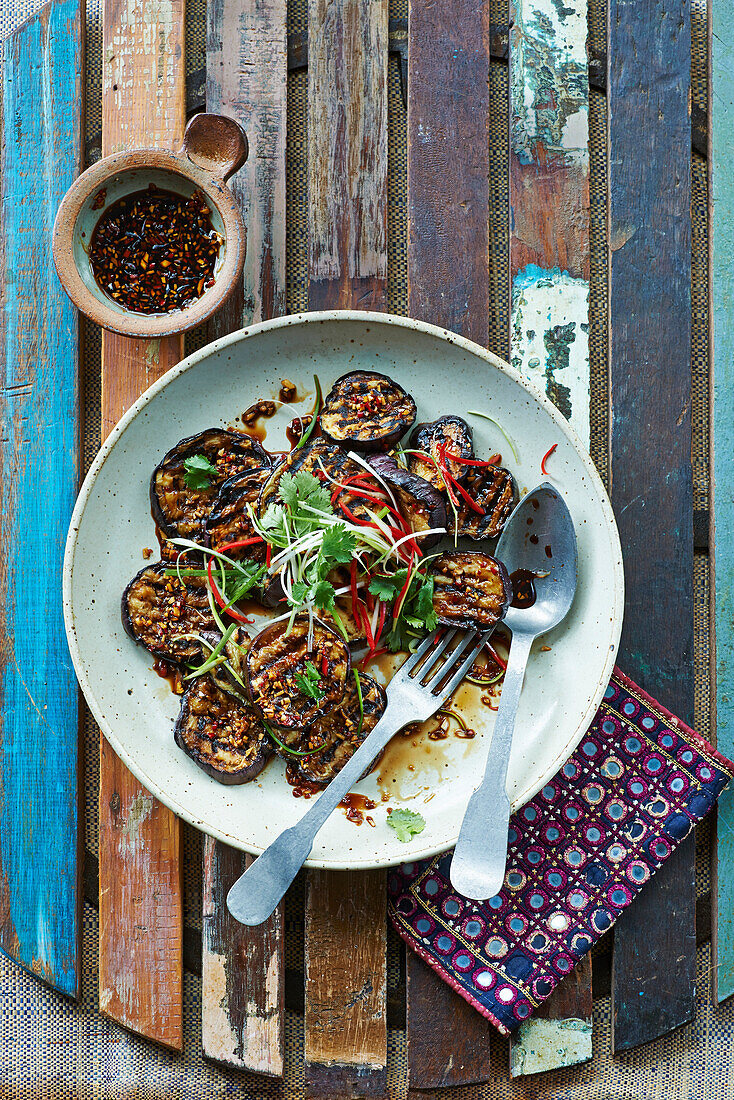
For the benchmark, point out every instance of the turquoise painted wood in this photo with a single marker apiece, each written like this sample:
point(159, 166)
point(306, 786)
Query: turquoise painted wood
point(39, 404)
point(721, 230)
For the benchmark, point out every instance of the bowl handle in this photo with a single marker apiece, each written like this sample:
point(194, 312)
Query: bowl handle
point(215, 143)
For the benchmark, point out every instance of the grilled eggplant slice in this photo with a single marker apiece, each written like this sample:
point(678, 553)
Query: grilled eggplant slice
point(316, 457)
point(420, 504)
point(229, 519)
point(222, 734)
point(182, 512)
point(452, 431)
point(470, 589)
point(340, 731)
point(157, 609)
point(367, 411)
point(493, 488)
point(279, 665)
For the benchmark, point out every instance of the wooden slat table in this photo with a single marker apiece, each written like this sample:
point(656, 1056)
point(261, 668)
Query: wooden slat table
point(648, 83)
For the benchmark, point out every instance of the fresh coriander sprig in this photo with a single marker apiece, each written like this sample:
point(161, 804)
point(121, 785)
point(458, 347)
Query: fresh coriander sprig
point(198, 472)
point(309, 681)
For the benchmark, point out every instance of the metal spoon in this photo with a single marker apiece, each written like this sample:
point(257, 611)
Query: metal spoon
point(539, 537)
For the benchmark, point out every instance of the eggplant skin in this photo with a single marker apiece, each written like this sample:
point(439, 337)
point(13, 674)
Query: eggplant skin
point(456, 434)
point(229, 520)
point(181, 512)
point(221, 734)
point(367, 411)
point(494, 490)
point(420, 504)
point(157, 608)
point(340, 731)
point(471, 589)
point(315, 457)
point(277, 660)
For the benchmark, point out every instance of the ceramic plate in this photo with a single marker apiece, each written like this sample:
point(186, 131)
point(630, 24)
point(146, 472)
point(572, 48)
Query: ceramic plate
point(112, 525)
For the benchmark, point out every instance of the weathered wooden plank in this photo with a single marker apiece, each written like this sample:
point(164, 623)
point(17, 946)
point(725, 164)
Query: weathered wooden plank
point(549, 330)
point(346, 985)
point(560, 1032)
point(346, 932)
point(242, 968)
point(721, 542)
point(448, 284)
point(40, 859)
point(140, 910)
point(242, 988)
point(347, 154)
point(549, 202)
point(651, 484)
point(448, 164)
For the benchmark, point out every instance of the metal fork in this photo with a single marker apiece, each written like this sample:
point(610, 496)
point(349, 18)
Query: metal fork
point(422, 685)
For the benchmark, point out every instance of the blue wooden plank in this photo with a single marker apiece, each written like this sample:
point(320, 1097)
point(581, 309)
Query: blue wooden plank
point(649, 141)
point(39, 404)
point(721, 231)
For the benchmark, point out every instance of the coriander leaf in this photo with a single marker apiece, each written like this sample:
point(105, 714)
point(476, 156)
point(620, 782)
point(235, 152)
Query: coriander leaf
point(406, 824)
point(198, 472)
point(299, 591)
point(273, 518)
point(323, 596)
point(424, 599)
point(385, 588)
point(309, 683)
point(338, 544)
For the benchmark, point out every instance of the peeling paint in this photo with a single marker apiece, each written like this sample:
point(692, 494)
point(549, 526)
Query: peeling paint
point(140, 810)
point(548, 1044)
point(550, 340)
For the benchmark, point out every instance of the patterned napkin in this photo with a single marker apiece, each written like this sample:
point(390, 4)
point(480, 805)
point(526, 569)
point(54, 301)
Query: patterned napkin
point(579, 852)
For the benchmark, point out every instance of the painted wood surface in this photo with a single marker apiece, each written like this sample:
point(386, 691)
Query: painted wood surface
point(345, 1020)
point(448, 284)
point(140, 906)
point(40, 857)
point(549, 330)
point(242, 968)
point(347, 154)
point(721, 543)
point(650, 456)
point(559, 1034)
point(346, 930)
point(549, 201)
point(448, 165)
point(242, 986)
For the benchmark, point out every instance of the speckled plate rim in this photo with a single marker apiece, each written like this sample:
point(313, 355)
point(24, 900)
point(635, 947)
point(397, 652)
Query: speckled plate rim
point(560, 423)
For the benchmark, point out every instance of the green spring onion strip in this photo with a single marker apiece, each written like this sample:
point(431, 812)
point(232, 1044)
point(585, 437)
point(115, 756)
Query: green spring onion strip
point(293, 752)
point(453, 714)
point(316, 410)
point(211, 660)
point(358, 682)
point(482, 682)
point(498, 426)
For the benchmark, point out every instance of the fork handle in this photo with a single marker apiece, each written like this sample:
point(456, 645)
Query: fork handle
point(256, 893)
point(478, 864)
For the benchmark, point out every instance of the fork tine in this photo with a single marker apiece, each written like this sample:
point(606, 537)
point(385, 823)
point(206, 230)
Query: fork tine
point(427, 644)
point(435, 655)
point(438, 674)
point(465, 665)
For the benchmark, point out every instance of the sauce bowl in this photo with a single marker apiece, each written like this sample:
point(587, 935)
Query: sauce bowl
point(214, 147)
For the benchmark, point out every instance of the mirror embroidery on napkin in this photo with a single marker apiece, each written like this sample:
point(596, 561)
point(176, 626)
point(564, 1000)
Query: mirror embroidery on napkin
point(578, 854)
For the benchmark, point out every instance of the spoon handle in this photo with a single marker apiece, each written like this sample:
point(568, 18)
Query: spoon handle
point(478, 864)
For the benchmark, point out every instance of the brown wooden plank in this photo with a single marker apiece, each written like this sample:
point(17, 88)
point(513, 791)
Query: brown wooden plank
point(448, 165)
point(648, 88)
point(346, 984)
point(242, 968)
point(448, 284)
point(346, 934)
point(140, 914)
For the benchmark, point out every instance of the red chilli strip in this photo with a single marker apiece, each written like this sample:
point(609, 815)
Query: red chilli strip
point(546, 456)
point(369, 656)
point(268, 555)
point(398, 606)
point(219, 598)
point(496, 657)
point(492, 461)
point(324, 665)
point(381, 621)
point(460, 488)
point(356, 606)
point(241, 542)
